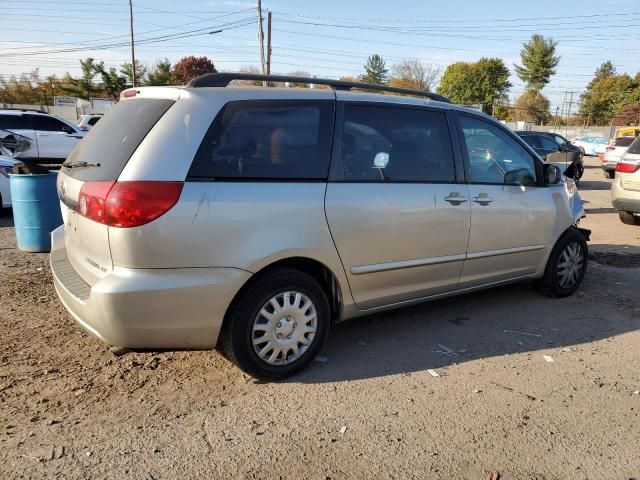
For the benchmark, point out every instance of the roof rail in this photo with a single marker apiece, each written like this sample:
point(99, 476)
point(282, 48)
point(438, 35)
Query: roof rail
point(223, 80)
point(23, 109)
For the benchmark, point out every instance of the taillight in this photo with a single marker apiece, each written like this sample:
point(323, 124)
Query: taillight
point(627, 167)
point(610, 148)
point(127, 204)
point(131, 92)
point(92, 201)
point(83, 128)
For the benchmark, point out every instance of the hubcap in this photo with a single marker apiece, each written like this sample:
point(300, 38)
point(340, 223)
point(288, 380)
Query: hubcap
point(570, 265)
point(284, 328)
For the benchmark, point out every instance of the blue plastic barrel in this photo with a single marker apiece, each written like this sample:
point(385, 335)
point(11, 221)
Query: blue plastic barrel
point(36, 210)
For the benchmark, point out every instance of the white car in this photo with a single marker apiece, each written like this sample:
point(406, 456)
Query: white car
point(591, 145)
point(6, 165)
point(86, 122)
point(613, 153)
point(51, 138)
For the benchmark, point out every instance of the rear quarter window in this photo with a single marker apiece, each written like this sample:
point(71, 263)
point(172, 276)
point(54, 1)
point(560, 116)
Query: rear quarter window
point(267, 140)
point(114, 139)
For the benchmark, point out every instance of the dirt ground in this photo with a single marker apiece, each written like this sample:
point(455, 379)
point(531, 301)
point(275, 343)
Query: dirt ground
point(71, 409)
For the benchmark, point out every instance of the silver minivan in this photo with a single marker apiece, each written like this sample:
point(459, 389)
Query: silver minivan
point(253, 218)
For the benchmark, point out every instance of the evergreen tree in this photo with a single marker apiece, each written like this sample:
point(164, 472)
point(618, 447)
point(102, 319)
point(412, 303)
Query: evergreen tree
point(375, 71)
point(539, 62)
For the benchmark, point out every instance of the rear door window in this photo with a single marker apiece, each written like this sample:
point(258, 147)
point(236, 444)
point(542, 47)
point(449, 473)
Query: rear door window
point(267, 140)
point(391, 144)
point(113, 140)
point(14, 122)
point(634, 148)
point(43, 123)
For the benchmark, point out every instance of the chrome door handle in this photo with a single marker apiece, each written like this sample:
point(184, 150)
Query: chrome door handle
point(483, 199)
point(454, 198)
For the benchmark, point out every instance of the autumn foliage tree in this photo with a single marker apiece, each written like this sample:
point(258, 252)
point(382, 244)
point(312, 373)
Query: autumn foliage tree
point(191, 67)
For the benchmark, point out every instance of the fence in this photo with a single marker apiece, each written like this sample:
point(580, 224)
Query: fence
point(568, 132)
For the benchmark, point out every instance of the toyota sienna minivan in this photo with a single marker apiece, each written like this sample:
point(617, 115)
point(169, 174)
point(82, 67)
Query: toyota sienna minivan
point(252, 219)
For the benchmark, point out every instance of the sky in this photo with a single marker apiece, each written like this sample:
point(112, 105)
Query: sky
point(327, 38)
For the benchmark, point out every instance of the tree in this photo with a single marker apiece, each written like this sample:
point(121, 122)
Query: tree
point(539, 62)
point(414, 74)
point(113, 83)
point(83, 87)
point(606, 97)
point(532, 106)
point(191, 67)
point(141, 70)
point(485, 83)
point(630, 116)
point(159, 74)
point(375, 70)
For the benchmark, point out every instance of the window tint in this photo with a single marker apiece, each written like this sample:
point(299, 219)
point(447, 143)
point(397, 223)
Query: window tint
point(93, 121)
point(47, 124)
point(548, 143)
point(396, 144)
point(495, 157)
point(14, 122)
point(267, 139)
point(112, 143)
point(623, 141)
point(532, 140)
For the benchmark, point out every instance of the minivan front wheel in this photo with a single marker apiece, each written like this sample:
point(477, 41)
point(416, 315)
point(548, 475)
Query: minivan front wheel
point(278, 325)
point(567, 265)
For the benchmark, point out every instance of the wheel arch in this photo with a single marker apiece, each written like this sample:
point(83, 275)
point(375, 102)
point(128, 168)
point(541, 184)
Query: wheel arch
point(314, 268)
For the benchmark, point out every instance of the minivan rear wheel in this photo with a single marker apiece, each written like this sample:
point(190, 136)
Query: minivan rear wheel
point(610, 174)
point(277, 325)
point(566, 266)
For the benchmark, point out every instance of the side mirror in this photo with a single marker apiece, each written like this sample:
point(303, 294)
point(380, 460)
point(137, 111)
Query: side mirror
point(552, 174)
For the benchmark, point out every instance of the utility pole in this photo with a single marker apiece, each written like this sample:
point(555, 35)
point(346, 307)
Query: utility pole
point(133, 52)
point(261, 37)
point(269, 43)
point(566, 130)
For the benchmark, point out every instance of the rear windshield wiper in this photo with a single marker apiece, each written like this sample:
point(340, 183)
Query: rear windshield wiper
point(80, 165)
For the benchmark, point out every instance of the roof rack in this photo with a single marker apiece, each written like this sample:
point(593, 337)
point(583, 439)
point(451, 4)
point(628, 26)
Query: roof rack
point(23, 109)
point(223, 80)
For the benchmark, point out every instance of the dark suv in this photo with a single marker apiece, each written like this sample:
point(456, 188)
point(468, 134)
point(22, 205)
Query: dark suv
point(556, 149)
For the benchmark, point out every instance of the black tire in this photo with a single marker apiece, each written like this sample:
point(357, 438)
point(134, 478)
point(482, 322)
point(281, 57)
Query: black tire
point(236, 337)
point(550, 284)
point(579, 171)
point(629, 218)
point(610, 174)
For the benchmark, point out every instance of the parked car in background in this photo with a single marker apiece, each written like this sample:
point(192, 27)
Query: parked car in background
point(613, 153)
point(266, 218)
point(85, 122)
point(555, 149)
point(625, 189)
point(51, 138)
point(6, 166)
point(591, 145)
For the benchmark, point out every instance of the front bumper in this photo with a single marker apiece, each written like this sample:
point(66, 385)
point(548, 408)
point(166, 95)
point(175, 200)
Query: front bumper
point(181, 308)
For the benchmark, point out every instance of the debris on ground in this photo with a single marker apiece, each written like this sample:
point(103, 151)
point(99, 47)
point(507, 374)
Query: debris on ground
point(433, 373)
point(548, 358)
point(537, 335)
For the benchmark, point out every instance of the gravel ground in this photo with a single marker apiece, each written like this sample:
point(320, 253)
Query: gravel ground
point(371, 408)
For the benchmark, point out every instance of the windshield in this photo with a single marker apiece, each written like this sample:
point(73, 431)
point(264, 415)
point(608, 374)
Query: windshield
point(635, 146)
point(623, 141)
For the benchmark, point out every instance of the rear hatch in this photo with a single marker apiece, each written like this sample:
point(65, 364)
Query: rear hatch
point(89, 173)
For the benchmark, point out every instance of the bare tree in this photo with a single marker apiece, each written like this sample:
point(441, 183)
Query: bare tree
point(412, 73)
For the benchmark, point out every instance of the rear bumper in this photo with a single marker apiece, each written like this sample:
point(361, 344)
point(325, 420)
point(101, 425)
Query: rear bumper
point(147, 308)
point(609, 166)
point(627, 205)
